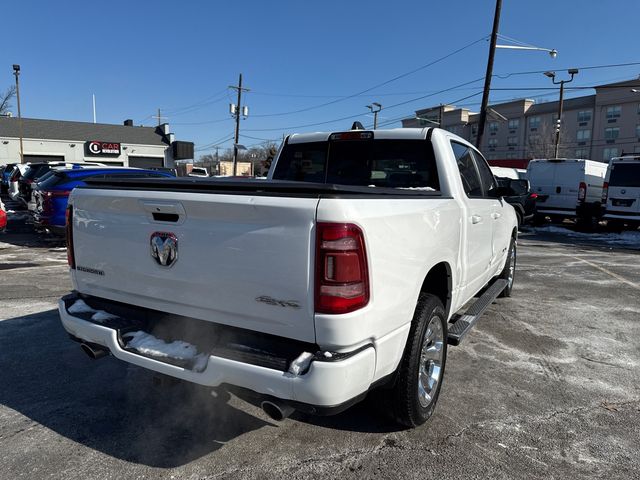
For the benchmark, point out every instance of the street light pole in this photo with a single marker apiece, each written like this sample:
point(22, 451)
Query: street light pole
point(16, 72)
point(552, 76)
point(375, 107)
point(489, 74)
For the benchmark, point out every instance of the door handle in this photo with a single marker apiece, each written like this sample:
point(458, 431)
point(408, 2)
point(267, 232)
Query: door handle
point(496, 215)
point(476, 218)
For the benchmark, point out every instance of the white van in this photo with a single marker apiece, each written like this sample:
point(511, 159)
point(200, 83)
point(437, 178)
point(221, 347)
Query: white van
point(567, 188)
point(621, 193)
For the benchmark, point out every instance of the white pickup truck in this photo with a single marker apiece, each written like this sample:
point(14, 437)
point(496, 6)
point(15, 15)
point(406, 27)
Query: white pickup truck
point(344, 271)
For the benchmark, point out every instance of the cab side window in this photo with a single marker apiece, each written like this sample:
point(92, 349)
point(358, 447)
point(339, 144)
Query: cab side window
point(467, 168)
point(486, 176)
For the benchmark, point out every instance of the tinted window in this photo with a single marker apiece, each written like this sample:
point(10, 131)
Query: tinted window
point(302, 162)
point(486, 177)
point(51, 181)
point(36, 171)
point(468, 173)
point(380, 163)
point(625, 175)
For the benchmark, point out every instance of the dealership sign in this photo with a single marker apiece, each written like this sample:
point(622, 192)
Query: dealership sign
point(103, 148)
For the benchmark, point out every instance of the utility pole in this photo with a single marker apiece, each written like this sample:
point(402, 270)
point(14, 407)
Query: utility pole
point(552, 75)
point(375, 107)
point(489, 74)
point(237, 110)
point(159, 117)
point(16, 72)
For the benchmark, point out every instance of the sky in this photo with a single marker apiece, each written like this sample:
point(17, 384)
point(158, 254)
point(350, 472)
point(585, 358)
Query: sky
point(310, 66)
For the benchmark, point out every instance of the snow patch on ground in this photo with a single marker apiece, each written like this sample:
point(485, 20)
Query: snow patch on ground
point(101, 316)
point(629, 238)
point(301, 363)
point(147, 344)
point(80, 306)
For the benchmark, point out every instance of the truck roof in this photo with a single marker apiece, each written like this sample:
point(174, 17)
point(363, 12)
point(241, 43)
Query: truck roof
point(390, 134)
point(629, 158)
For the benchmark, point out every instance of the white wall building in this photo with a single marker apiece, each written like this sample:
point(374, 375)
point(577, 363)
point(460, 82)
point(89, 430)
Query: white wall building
point(58, 140)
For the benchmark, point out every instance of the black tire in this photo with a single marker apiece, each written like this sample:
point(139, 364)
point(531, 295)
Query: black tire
point(507, 273)
point(519, 218)
point(406, 403)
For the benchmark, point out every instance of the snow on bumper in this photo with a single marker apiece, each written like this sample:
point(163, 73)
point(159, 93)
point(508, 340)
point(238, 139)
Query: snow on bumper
point(326, 384)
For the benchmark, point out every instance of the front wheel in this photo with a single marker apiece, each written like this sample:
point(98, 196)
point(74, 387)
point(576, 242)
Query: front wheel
point(414, 396)
point(509, 271)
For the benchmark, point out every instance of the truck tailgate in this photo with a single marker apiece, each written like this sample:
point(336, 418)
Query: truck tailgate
point(242, 260)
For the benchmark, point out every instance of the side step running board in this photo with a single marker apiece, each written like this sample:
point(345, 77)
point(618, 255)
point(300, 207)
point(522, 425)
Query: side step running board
point(461, 324)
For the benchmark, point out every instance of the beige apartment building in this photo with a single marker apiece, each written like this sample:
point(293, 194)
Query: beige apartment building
point(597, 127)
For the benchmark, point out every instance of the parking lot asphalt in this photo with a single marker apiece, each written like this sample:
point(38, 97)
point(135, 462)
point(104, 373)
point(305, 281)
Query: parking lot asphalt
point(546, 385)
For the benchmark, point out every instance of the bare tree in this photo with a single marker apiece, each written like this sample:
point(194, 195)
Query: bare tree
point(542, 143)
point(5, 99)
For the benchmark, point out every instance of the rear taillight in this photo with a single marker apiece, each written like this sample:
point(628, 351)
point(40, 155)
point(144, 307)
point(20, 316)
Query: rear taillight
point(57, 193)
point(71, 259)
point(582, 191)
point(342, 277)
point(533, 196)
point(605, 192)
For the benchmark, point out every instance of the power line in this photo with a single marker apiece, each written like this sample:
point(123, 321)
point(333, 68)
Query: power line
point(398, 77)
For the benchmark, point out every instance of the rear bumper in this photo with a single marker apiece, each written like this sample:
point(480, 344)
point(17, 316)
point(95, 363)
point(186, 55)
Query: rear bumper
point(326, 385)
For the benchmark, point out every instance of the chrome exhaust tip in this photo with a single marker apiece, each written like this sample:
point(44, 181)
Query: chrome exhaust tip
point(276, 410)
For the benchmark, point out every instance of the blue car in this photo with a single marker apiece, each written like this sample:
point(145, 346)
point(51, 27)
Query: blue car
point(52, 193)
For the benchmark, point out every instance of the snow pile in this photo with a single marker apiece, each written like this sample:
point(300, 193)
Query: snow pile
point(424, 189)
point(147, 344)
point(80, 306)
point(101, 316)
point(628, 238)
point(301, 363)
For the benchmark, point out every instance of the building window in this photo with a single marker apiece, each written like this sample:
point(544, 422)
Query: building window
point(611, 133)
point(474, 129)
point(584, 116)
point(583, 135)
point(609, 153)
point(493, 127)
point(514, 123)
point(493, 142)
point(512, 141)
point(534, 122)
point(582, 153)
point(638, 131)
point(614, 111)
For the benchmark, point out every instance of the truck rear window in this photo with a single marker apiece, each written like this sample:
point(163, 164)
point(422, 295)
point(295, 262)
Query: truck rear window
point(625, 175)
point(379, 163)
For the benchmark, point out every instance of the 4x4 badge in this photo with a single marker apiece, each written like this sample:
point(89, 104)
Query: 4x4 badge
point(164, 248)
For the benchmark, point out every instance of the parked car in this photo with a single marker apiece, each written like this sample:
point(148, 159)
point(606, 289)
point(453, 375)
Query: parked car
point(51, 195)
point(198, 172)
point(621, 192)
point(3, 217)
point(347, 269)
point(16, 173)
point(567, 188)
point(508, 172)
point(5, 173)
point(35, 171)
point(523, 200)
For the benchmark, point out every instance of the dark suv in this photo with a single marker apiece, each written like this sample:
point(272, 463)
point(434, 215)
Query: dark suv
point(522, 200)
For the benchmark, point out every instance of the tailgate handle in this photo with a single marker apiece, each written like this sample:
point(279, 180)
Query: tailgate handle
point(165, 217)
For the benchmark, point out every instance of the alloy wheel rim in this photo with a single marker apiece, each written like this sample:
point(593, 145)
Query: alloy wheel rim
point(430, 367)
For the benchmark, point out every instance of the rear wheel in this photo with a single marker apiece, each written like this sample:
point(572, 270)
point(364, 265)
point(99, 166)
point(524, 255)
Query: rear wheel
point(509, 270)
point(415, 394)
